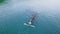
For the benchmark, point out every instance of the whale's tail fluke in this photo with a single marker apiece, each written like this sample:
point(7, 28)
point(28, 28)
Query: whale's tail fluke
point(31, 20)
point(29, 24)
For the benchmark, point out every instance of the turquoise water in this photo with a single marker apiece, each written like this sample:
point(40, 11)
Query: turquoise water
point(14, 24)
point(15, 13)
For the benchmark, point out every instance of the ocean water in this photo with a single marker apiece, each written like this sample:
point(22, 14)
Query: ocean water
point(13, 15)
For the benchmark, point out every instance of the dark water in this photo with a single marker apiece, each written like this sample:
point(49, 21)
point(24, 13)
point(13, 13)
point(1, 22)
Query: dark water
point(14, 24)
